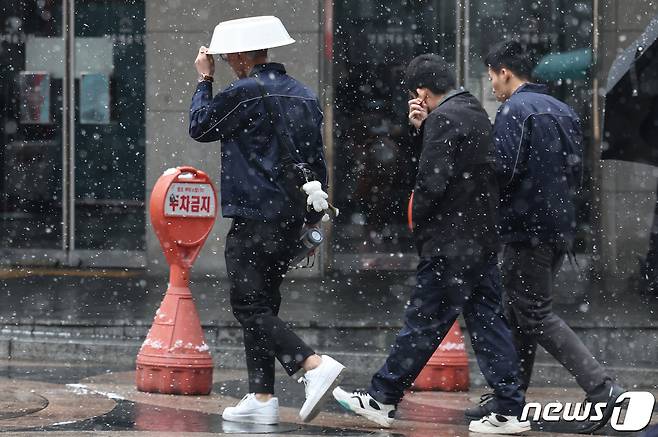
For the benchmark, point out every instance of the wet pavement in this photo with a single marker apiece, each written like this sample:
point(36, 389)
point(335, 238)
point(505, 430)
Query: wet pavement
point(91, 397)
point(65, 400)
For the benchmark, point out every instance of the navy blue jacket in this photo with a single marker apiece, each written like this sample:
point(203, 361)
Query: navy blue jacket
point(251, 186)
point(539, 165)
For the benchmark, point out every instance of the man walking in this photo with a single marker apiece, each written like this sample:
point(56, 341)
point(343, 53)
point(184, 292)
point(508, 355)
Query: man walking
point(539, 153)
point(454, 212)
point(253, 117)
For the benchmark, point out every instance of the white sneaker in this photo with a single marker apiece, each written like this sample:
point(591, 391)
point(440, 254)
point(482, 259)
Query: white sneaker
point(251, 410)
point(319, 382)
point(364, 405)
point(498, 424)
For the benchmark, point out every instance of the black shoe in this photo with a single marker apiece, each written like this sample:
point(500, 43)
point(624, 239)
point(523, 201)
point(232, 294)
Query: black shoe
point(486, 406)
point(608, 394)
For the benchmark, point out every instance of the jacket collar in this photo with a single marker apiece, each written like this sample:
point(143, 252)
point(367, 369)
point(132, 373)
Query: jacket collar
point(451, 94)
point(530, 87)
point(270, 66)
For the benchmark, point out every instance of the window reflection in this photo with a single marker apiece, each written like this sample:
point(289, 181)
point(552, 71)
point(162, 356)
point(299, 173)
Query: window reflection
point(373, 156)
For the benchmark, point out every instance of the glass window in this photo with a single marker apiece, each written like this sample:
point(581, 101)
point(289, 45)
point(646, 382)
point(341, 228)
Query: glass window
point(31, 74)
point(110, 125)
point(373, 159)
point(106, 193)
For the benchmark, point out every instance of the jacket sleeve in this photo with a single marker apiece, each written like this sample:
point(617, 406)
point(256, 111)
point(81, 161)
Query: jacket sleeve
point(416, 137)
point(436, 165)
point(213, 119)
point(508, 133)
point(318, 164)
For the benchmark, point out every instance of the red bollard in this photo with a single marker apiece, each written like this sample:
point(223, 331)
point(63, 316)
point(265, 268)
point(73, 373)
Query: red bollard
point(174, 358)
point(447, 369)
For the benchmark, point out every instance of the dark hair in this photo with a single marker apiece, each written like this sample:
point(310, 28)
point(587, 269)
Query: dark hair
point(510, 55)
point(255, 54)
point(429, 71)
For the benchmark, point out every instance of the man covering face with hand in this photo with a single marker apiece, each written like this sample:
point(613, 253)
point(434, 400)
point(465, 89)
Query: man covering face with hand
point(454, 212)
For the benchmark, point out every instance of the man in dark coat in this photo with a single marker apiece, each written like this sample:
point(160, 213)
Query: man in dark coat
point(454, 212)
point(251, 117)
point(539, 165)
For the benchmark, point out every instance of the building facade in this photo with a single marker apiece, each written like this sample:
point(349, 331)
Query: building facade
point(95, 96)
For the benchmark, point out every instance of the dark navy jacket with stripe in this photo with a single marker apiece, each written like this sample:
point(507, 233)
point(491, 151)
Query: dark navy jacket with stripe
point(251, 153)
point(539, 163)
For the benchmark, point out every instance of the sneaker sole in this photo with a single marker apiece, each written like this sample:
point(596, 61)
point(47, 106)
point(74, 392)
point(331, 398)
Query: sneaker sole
point(377, 418)
point(325, 391)
point(592, 427)
point(249, 418)
point(508, 430)
point(368, 415)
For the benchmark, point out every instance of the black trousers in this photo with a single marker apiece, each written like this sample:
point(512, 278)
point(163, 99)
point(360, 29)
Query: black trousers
point(257, 257)
point(528, 275)
point(445, 289)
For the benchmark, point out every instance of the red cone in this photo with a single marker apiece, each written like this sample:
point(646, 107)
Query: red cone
point(447, 369)
point(175, 358)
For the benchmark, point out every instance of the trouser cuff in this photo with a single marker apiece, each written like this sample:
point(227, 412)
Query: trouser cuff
point(295, 364)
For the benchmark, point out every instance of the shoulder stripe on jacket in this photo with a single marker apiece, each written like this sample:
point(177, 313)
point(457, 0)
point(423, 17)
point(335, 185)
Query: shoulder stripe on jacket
point(246, 101)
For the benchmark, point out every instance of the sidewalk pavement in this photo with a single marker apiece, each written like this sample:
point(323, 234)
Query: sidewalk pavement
point(65, 400)
point(78, 315)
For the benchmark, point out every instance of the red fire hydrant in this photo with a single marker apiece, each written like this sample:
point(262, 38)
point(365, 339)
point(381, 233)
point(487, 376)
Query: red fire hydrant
point(175, 358)
point(447, 368)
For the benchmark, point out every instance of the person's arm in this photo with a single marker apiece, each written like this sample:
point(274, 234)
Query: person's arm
point(416, 141)
point(319, 167)
point(508, 134)
point(318, 163)
point(436, 165)
point(213, 119)
point(418, 113)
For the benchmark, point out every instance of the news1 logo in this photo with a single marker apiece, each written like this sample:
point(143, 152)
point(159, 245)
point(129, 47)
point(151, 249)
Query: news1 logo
point(637, 417)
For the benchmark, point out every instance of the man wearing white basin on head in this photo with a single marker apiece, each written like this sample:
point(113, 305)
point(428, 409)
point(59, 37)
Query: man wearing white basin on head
point(270, 126)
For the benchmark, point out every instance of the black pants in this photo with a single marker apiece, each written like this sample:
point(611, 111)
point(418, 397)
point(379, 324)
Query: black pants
point(528, 275)
point(444, 289)
point(257, 257)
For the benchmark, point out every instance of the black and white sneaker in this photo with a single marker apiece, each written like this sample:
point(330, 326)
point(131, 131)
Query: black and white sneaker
point(486, 406)
point(499, 424)
point(364, 405)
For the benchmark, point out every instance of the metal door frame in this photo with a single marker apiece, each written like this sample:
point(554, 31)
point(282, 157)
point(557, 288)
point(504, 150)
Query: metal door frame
point(68, 255)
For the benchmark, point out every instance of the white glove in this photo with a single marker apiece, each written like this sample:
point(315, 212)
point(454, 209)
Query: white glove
point(316, 197)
